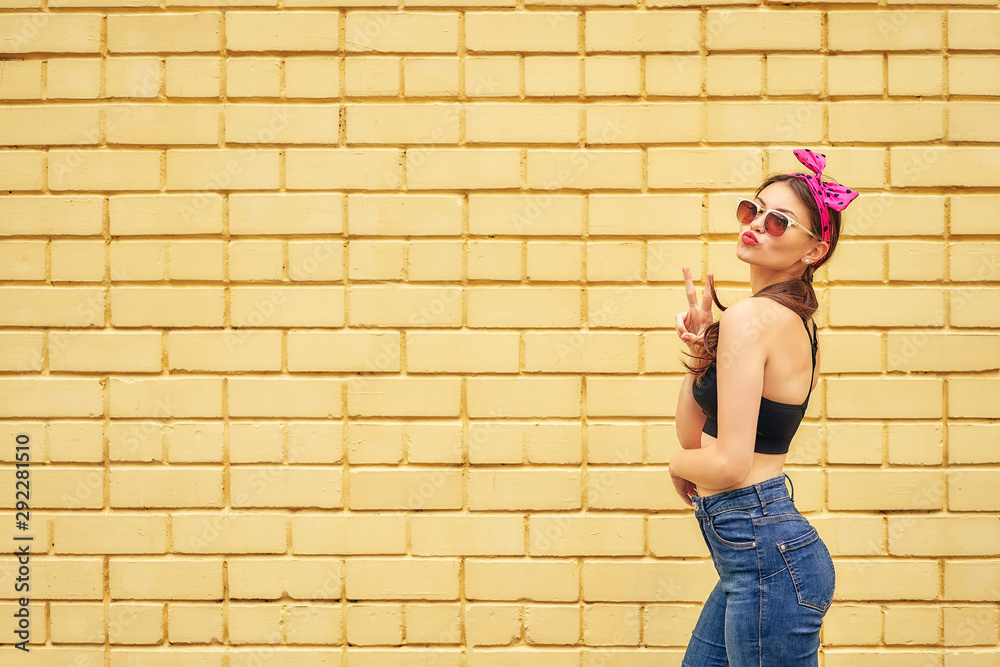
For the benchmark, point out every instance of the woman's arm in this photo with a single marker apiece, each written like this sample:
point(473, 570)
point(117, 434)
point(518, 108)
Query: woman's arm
point(689, 418)
point(740, 366)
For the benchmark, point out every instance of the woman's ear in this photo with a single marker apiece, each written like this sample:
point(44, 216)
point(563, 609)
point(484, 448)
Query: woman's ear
point(817, 253)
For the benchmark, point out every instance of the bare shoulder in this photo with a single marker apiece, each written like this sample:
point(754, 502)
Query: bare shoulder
point(750, 314)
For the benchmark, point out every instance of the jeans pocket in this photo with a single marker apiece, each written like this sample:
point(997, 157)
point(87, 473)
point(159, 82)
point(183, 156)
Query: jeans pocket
point(811, 568)
point(734, 529)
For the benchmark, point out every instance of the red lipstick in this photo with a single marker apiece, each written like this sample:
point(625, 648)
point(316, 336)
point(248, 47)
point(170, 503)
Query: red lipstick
point(749, 238)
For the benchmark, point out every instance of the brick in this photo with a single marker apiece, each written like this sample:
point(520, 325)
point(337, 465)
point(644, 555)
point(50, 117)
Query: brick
point(50, 397)
point(911, 624)
point(944, 536)
point(859, 75)
point(133, 215)
point(695, 168)
point(76, 441)
point(22, 80)
point(972, 490)
point(852, 624)
point(975, 307)
point(463, 168)
point(445, 352)
point(134, 76)
point(523, 397)
point(162, 124)
point(413, 579)
point(877, 215)
point(297, 306)
point(284, 397)
point(312, 77)
point(402, 123)
point(972, 443)
point(25, 33)
point(164, 658)
point(344, 351)
point(652, 581)
point(22, 260)
point(178, 579)
point(77, 622)
point(525, 215)
point(493, 260)
point(618, 169)
point(194, 623)
point(554, 261)
point(403, 396)
point(222, 168)
point(492, 76)
point(965, 120)
point(586, 353)
point(854, 442)
point(104, 170)
point(124, 352)
point(733, 75)
point(889, 397)
point(537, 580)
point(640, 31)
point(197, 76)
point(161, 486)
point(503, 122)
point(970, 626)
point(166, 306)
point(314, 534)
point(919, 261)
point(894, 490)
point(674, 75)
point(520, 32)
point(254, 624)
point(882, 123)
point(524, 490)
point(973, 396)
point(467, 535)
point(900, 306)
point(403, 215)
point(282, 124)
point(253, 77)
point(432, 76)
point(195, 442)
point(140, 623)
point(643, 123)
point(151, 33)
point(56, 578)
point(568, 535)
point(895, 579)
point(885, 30)
point(765, 122)
point(228, 533)
point(551, 76)
point(916, 75)
point(417, 489)
point(285, 213)
point(21, 170)
point(631, 307)
point(372, 76)
point(73, 78)
point(370, 169)
point(412, 306)
point(973, 75)
point(410, 32)
point(134, 260)
point(612, 75)
point(974, 261)
point(523, 306)
point(286, 487)
point(973, 29)
point(795, 74)
point(249, 31)
point(916, 444)
point(975, 581)
point(643, 215)
point(942, 352)
point(753, 29)
point(60, 487)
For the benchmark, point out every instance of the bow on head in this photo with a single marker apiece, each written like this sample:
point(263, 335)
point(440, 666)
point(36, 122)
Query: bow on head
point(827, 194)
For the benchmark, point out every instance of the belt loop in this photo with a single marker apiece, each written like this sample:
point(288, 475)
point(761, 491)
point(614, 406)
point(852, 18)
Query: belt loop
point(760, 495)
point(791, 486)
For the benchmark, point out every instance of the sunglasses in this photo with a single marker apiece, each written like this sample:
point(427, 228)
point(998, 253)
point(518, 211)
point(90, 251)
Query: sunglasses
point(775, 222)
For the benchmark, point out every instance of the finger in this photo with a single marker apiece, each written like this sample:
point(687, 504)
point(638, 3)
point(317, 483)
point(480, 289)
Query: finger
point(682, 330)
point(692, 294)
point(706, 299)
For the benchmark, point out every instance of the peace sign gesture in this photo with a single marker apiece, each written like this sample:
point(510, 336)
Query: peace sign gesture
point(692, 324)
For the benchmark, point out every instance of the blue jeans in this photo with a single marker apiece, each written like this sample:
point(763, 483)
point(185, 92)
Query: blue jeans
point(776, 580)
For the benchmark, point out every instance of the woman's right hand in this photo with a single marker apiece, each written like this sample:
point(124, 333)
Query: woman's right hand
point(691, 325)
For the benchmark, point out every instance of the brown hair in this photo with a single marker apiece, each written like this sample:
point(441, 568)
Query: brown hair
point(798, 295)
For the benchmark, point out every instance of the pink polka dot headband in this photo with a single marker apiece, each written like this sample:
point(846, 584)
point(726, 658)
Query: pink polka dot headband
point(827, 194)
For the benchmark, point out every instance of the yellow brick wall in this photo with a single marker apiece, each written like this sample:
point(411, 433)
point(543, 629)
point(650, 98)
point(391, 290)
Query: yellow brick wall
point(342, 333)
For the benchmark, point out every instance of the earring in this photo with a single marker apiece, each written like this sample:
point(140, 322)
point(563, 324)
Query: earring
point(807, 261)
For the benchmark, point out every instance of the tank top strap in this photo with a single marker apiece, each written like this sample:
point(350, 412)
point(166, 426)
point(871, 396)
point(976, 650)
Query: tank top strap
point(814, 342)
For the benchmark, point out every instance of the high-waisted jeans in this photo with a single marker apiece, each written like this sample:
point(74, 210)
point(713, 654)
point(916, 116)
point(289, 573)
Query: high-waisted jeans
point(776, 580)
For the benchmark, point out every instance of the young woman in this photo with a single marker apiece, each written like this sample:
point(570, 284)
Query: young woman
point(739, 407)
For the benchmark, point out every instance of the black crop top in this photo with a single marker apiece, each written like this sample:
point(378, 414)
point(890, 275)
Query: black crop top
point(776, 422)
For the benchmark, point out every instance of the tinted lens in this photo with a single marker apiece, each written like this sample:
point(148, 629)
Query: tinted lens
point(775, 223)
point(746, 212)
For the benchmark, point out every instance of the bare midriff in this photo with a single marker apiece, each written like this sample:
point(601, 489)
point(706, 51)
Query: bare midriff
point(764, 466)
